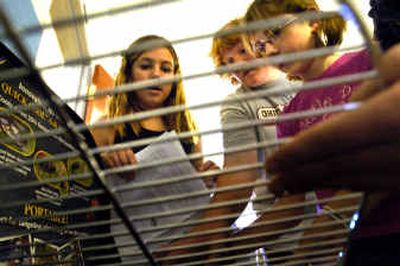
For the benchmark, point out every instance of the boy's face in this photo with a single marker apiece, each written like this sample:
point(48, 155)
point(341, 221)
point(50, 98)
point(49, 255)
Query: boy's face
point(250, 77)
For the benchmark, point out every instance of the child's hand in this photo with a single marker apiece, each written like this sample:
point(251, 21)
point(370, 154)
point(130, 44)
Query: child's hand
point(120, 158)
point(207, 166)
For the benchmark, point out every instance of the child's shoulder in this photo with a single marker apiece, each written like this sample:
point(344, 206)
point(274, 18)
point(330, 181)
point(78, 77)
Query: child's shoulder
point(349, 63)
point(357, 61)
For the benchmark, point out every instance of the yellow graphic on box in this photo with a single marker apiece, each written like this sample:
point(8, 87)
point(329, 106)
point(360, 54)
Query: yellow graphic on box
point(24, 99)
point(51, 169)
point(11, 127)
point(76, 166)
point(18, 96)
point(33, 210)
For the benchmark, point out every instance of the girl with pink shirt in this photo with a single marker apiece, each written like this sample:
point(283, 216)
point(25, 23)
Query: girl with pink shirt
point(296, 35)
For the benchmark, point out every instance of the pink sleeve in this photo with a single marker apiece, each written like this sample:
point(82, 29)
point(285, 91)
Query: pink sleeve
point(287, 128)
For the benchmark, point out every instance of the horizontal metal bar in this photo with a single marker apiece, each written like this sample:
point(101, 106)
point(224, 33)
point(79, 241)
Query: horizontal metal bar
point(251, 26)
point(233, 239)
point(202, 262)
point(251, 64)
point(140, 185)
point(260, 224)
point(173, 109)
point(28, 184)
point(125, 205)
point(115, 221)
point(254, 225)
point(236, 249)
point(140, 85)
point(311, 85)
point(71, 21)
point(213, 231)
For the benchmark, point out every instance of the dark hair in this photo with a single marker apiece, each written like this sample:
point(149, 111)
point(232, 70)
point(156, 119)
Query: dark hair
point(386, 22)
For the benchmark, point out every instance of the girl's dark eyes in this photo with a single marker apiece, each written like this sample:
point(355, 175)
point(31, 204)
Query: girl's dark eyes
point(231, 60)
point(145, 66)
point(166, 69)
point(148, 66)
point(276, 32)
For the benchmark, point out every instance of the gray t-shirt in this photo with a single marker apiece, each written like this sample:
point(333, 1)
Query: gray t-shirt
point(235, 111)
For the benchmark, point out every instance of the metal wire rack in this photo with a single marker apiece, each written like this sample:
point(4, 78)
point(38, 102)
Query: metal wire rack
point(58, 206)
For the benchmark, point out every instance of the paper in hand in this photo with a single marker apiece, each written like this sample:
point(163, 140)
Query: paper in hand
point(154, 154)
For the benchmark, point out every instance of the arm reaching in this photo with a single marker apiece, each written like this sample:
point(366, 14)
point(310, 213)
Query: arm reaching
point(360, 149)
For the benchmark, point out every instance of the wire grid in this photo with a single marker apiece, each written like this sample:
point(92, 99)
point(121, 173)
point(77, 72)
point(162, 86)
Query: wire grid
point(64, 216)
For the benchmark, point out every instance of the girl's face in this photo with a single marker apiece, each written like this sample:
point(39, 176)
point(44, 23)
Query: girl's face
point(250, 77)
point(153, 64)
point(292, 37)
